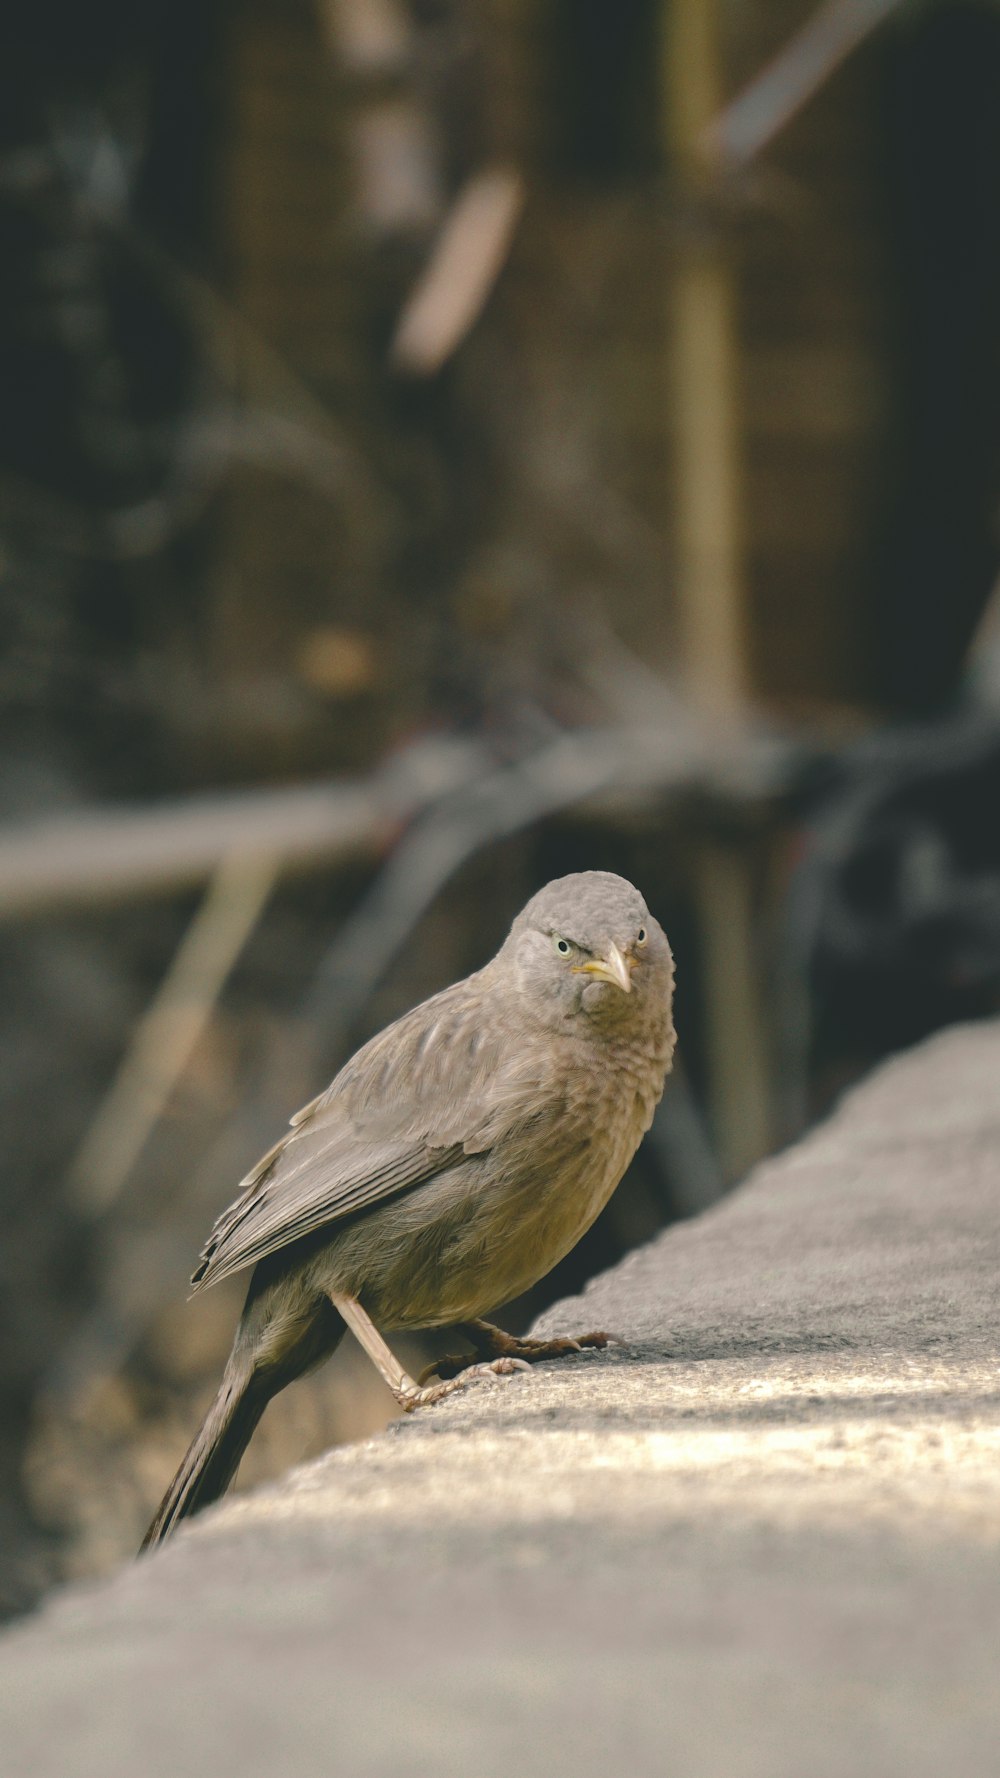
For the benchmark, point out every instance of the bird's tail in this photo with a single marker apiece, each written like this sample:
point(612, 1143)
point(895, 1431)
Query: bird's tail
point(213, 1457)
point(282, 1335)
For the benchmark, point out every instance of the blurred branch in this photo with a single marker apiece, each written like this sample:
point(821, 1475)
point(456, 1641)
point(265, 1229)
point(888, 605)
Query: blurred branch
point(168, 1032)
point(396, 148)
point(372, 38)
point(467, 260)
point(104, 856)
point(112, 856)
point(109, 857)
point(787, 83)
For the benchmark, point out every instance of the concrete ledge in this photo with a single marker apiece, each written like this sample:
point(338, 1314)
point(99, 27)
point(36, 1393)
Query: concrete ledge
point(758, 1539)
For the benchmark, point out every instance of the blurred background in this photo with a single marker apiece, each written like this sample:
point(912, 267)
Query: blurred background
point(445, 443)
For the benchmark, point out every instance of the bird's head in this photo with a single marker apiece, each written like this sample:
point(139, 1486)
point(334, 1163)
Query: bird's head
point(587, 945)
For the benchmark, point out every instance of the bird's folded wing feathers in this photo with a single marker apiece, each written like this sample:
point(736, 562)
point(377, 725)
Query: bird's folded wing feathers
point(438, 1085)
point(304, 1190)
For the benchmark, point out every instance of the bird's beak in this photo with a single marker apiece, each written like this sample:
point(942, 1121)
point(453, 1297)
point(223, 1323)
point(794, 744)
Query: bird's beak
point(614, 968)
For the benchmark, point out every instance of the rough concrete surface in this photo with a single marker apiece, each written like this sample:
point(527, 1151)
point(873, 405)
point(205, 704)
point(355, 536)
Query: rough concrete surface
point(759, 1538)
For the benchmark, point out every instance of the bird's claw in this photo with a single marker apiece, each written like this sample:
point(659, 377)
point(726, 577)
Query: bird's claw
point(420, 1397)
point(444, 1369)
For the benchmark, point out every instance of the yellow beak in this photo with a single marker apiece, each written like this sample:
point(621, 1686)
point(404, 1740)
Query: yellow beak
point(613, 968)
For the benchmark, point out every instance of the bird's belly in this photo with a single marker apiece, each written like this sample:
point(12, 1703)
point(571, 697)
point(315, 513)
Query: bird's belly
point(467, 1241)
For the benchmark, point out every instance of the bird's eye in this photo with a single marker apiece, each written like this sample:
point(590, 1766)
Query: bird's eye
point(562, 945)
point(641, 936)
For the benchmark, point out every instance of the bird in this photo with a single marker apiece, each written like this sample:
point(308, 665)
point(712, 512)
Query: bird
point(451, 1163)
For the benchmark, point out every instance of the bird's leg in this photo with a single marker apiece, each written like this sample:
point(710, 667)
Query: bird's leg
point(408, 1393)
point(492, 1342)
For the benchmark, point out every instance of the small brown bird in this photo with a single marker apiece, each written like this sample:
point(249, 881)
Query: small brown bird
point(450, 1164)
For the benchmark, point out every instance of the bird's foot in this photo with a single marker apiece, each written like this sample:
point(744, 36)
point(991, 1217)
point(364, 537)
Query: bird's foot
point(416, 1395)
point(494, 1342)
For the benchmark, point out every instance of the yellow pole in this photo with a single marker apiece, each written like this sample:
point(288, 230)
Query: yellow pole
point(703, 419)
point(702, 380)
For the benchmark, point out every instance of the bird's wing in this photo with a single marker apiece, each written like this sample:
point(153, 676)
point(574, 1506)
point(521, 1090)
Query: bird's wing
point(440, 1084)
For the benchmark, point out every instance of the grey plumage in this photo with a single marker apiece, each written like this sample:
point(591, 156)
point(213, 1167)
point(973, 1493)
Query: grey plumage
point(452, 1161)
